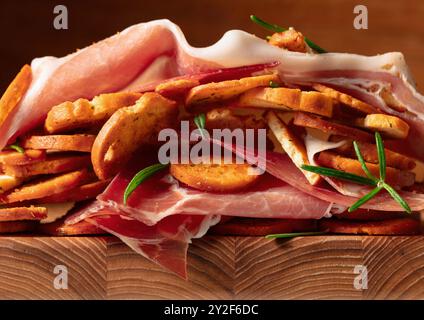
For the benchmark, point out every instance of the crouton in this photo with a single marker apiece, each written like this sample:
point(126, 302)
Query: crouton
point(291, 144)
point(288, 99)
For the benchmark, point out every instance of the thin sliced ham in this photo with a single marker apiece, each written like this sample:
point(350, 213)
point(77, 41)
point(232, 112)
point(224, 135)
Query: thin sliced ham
point(165, 243)
point(158, 50)
point(162, 196)
point(280, 166)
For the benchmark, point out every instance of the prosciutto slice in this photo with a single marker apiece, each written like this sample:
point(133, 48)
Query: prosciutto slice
point(165, 243)
point(162, 196)
point(158, 50)
point(280, 166)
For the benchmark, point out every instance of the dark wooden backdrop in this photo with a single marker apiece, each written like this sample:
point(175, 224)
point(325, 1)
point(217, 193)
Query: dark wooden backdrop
point(27, 25)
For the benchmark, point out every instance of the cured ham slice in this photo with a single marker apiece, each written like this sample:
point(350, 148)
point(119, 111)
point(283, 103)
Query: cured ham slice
point(165, 243)
point(162, 196)
point(158, 50)
point(280, 166)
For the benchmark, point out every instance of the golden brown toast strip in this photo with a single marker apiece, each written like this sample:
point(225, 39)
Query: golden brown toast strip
point(215, 177)
point(128, 129)
point(53, 164)
point(23, 213)
point(217, 91)
point(291, 145)
point(222, 118)
point(288, 99)
point(345, 99)
point(390, 126)
point(383, 227)
point(46, 187)
point(19, 159)
point(15, 92)
point(310, 121)
point(87, 114)
point(394, 176)
point(76, 142)
point(176, 88)
point(80, 193)
point(369, 152)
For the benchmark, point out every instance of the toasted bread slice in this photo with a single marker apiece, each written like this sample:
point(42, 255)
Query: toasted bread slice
point(394, 177)
point(294, 148)
point(222, 118)
point(307, 120)
point(369, 152)
point(17, 226)
point(80, 193)
point(59, 228)
point(403, 226)
point(215, 177)
point(176, 88)
point(15, 92)
point(369, 215)
point(76, 142)
point(345, 99)
point(55, 163)
point(8, 182)
point(19, 159)
point(87, 114)
point(253, 227)
point(390, 126)
point(218, 91)
point(288, 99)
point(128, 129)
point(23, 213)
point(46, 187)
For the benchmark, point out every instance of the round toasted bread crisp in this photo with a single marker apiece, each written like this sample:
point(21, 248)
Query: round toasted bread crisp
point(215, 177)
point(405, 226)
point(261, 227)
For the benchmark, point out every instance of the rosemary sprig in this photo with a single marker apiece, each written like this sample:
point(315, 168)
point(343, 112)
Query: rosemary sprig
point(140, 177)
point(200, 122)
point(379, 183)
point(274, 84)
point(277, 28)
point(294, 235)
point(16, 147)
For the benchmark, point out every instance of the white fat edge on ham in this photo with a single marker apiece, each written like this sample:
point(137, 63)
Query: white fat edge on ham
point(316, 141)
point(55, 211)
point(235, 48)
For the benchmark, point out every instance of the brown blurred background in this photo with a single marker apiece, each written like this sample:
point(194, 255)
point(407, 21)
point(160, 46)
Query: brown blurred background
point(27, 25)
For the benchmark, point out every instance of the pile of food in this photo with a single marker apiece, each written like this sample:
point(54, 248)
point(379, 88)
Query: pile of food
point(81, 139)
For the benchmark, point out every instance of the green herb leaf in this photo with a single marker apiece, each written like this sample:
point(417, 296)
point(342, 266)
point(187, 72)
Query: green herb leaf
point(200, 122)
point(16, 147)
point(328, 172)
point(397, 197)
point(365, 198)
point(381, 155)
point(140, 177)
point(294, 234)
point(277, 28)
point(362, 161)
point(273, 84)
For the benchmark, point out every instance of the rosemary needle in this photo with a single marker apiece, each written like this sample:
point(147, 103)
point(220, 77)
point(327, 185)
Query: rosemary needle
point(379, 183)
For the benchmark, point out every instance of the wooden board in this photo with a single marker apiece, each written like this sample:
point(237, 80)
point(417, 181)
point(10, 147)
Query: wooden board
point(320, 267)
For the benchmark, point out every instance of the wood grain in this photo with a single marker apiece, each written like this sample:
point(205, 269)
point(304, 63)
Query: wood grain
point(219, 267)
